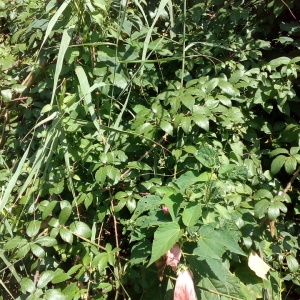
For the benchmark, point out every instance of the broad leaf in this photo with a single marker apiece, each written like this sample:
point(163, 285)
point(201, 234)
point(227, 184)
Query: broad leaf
point(277, 163)
point(81, 229)
point(164, 239)
point(191, 214)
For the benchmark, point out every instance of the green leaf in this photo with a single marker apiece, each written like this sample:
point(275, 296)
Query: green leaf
point(208, 157)
point(186, 124)
point(292, 263)
point(45, 278)
point(166, 126)
point(64, 215)
point(188, 101)
point(46, 241)
point(140, 252)
point(227, 87)
point(113, 174)
point(60, 277)
point(211, 85)
point(33, 228)
point(81, 229)
point(48, 209)
point(191, 214)
point(100, 176)
point(27, 285)
point(213, 243)
point(150, 202)
point(139, 165)
point(100, 261)
point(290, 165)
point(279, 61)
point(165, 237)
point(201, 121)
point(55, 294)
point(278, 151)
point(262, 194)
point(37, 250)
point(66, 235)
point(261, 208)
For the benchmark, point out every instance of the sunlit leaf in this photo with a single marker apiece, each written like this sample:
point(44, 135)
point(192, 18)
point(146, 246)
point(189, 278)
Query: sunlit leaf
point(164, 239)
point(257, 265)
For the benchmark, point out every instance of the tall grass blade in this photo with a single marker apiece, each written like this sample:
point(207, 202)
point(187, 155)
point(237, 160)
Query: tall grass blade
point(10, 266)
point(161, 7)
point(12, 182)
point(54, 20)
point(86, 94)
point(65, 41)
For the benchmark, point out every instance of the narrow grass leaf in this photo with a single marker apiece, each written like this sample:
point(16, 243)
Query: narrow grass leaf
point(65, 41)
point(54, 19)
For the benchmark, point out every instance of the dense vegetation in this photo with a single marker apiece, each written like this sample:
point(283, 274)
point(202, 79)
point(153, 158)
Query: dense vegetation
point(129, 126)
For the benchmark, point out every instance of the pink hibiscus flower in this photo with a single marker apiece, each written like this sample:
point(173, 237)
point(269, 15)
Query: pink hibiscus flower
point(184, 287)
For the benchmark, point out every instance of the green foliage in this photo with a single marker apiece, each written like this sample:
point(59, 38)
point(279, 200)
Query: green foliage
point(129, 126)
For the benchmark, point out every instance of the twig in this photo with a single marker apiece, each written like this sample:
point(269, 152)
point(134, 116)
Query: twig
point(288, 186)
point(37, 273)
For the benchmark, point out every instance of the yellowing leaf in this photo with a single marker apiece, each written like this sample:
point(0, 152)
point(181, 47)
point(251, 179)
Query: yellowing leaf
point(257, 265)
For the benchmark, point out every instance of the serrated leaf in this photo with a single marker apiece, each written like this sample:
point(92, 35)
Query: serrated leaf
point(166, 127)
point(140, 252)
point(81, 229)
point(261, 208)
point(33, 228)
point(219, 283)
point(292, 263)
point(64, 215)
point(191, 214)
point(207, 156)
point(290, 165)
point(164, 239)
point(257, 265)
point(66, 235)
point(145, 204)
point(213, 243)
point(202, 121)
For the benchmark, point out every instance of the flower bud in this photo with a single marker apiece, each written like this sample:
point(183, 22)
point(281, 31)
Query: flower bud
point(173, 257)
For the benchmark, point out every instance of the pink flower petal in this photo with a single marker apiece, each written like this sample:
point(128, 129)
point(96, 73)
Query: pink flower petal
point(184, 287)
point(173, 257)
